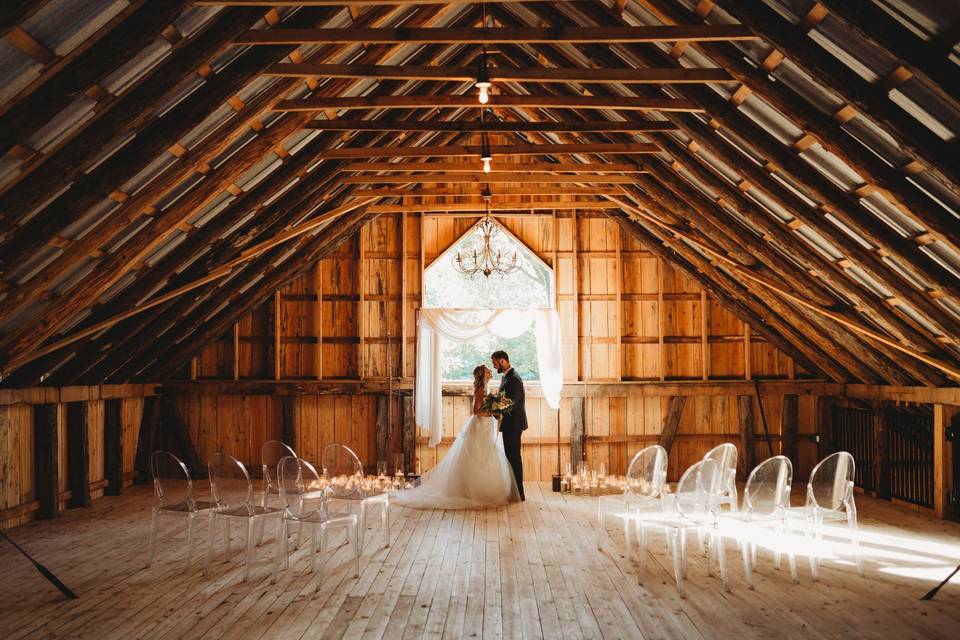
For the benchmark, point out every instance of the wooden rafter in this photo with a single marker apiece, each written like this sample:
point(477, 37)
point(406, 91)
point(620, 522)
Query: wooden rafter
point(449, 101)
point(536, 189)
point(527, 74)
point(495, 126)
point(521, 35)
point(492, 178)
point(412, 151)
point(503, 167)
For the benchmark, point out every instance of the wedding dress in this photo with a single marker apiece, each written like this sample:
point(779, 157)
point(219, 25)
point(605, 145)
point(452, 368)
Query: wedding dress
point(473, 475)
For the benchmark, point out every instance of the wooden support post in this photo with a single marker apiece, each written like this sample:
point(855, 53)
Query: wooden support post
point(671, 424)
point(789, 427)
point(236, 351)
point(402, 369)
point(288, 421)
point(361, 306)
point(577, 420)
point(113, 446)
point(704, 342)
point(747, 356)
point(318, 275)
point(618, 370)
point(46, 465)
point(277, 342)
point(78, 455)
point(147, 440)
point(747, 418)
point(409, 436)
point(661, 367)
point(384, 428)
point(825, 405)
point(945, 418)
point(881, 448)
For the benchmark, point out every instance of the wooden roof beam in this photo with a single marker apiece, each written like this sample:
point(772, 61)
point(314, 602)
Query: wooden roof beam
point(83, 67)
point(873, 24)
point(670, 75)
point(497, 35)
point(500, 167)
point(468, 191)
point(491, 178)
point(500, 100)
point(480, 207)
point(738, 299)
point(830, 132)
point(497, 150)
point(494, 126)
point(197, 332)
point(913, 136)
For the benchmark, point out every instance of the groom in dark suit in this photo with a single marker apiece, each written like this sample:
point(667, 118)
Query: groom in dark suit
point(514, 423)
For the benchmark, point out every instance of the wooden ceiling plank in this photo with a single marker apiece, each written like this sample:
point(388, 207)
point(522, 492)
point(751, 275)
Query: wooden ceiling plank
point(670, 75)
point(498, 35)
point(498, 151)
point(500, 100)
point(480, 207)
point(467, 191)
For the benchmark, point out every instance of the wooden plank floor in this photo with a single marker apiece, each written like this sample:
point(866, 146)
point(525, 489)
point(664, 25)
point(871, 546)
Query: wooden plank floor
point(527, 570)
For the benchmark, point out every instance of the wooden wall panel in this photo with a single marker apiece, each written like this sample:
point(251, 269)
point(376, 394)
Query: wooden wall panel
point(626, 316)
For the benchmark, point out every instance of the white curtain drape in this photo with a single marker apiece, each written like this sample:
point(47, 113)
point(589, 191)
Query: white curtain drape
point(461, 326)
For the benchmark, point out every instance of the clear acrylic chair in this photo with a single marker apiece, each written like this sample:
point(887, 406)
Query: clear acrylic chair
point(830, 499)
point(646, 476)
point(232, 491)
point(173, 494)
point(726, 456)
point(304, 498)
point(766, 504)
point(271, 453)
point(695, 506)
point(344, 471)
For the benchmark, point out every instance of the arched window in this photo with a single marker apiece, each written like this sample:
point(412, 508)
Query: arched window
point(529, 288)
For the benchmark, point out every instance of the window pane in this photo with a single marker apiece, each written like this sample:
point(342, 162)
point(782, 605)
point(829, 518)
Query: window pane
point(529, 288)
point(458, 359)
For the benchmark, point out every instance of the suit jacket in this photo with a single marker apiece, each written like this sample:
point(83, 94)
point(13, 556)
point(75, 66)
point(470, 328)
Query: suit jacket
point(512, 385)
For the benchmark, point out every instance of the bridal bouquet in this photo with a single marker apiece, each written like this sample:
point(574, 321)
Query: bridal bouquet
point(498, 404)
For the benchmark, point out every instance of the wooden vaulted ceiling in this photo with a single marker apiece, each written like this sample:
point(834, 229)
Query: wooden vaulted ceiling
point(798, 159)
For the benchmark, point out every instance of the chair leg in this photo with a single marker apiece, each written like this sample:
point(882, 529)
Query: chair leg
point(248, 557)
point(734, 498)
point(854, 529)
point(225, 524)
point(817, 541)
point(678, 570)
point(791, 556)
point(314, 543)
point(385, 523)
point(209, 556)
point(284, 542)
point(356, 553)
point(154, 526)
point(682, 550)
point(600, 525)
point(363, 523)
point(642, 558)
point(745, 553)
point(720, 547)
point(189, 538)
point(280, 550)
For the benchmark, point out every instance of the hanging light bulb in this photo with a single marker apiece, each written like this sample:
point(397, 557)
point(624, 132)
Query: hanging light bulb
point(485, 154)
point(483, 78)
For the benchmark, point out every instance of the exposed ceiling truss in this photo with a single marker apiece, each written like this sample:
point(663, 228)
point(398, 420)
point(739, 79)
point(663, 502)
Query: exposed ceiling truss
point(797, 159)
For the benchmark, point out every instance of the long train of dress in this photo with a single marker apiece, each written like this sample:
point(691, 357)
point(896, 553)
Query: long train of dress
point(474, 474)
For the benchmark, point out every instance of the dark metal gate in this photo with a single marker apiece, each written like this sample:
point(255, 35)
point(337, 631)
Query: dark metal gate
point(893, 450)
point(853, 432)
point(910, 446)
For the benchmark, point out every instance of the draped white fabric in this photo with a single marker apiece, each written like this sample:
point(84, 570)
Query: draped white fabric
point(461, 326)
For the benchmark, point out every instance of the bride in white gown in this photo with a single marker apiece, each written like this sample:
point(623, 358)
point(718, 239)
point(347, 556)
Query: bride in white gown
point(474, 474)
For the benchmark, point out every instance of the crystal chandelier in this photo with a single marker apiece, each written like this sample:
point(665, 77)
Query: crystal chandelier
point(487, 260)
